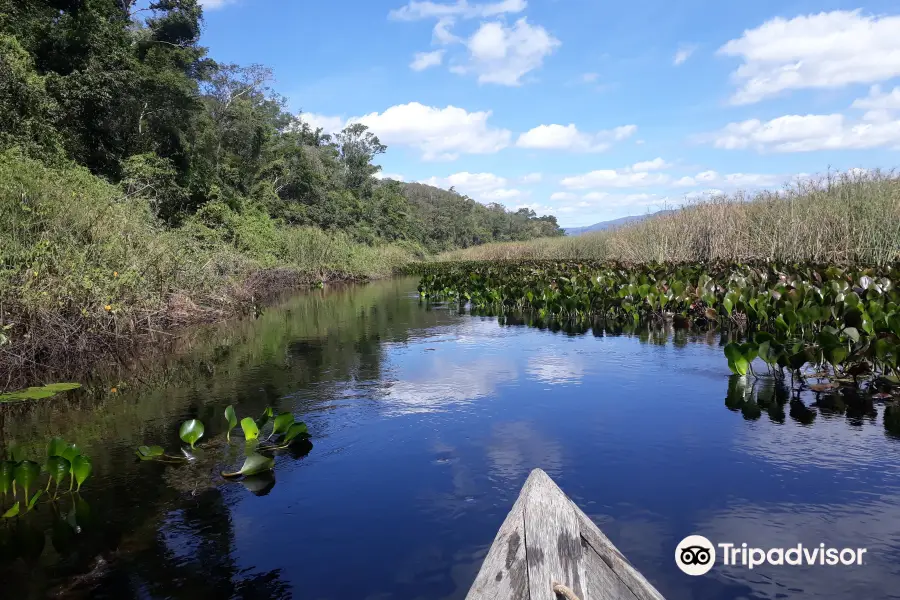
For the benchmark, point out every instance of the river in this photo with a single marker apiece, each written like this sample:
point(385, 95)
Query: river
point(424, 424)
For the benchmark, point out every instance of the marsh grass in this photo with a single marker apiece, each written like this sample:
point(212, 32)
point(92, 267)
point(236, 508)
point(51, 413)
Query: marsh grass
point(86, 271)
point(845, 218)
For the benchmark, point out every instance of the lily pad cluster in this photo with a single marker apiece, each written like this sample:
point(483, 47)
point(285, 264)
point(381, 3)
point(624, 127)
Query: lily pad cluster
point(844, 319)
point(21, 480)
point(259, 448)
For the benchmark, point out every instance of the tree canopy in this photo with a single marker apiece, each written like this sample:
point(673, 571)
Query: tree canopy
point(126, 90)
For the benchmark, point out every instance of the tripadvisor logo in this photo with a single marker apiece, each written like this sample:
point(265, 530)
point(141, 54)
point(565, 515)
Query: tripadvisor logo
point(696, 555)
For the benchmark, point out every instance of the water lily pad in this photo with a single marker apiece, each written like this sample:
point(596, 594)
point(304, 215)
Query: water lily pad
point(38, 393)
point(149, 452)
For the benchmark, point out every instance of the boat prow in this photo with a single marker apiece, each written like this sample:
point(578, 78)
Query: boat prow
point(548, 548)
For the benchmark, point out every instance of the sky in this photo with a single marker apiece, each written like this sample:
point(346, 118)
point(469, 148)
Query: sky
point(587, 109)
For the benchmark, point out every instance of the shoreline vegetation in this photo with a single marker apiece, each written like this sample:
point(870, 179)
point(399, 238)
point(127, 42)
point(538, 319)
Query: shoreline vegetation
point(145, 186)
point(841, 218)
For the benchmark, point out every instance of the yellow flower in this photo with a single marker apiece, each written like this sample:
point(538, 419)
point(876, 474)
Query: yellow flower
point(113, 391)
point(108, 307)
point(115, 273)
point(35, 273)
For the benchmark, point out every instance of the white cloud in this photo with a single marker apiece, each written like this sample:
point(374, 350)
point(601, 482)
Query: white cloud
point(416, 10)
point(567, 137)
point(563, 196)
point(590, 77)
point(531, 178)
point(805, 133)
point(440, 133)
point(484, 187)
point(610, 178)
point(730, 180)
point(656, 164)
point(684, 53)
point(393, 176)
point(595, 196)
point(442, 35)
point(880, 106)
point(326, 123)
point(503, 55)
point(824, 50)
point(214, 4)
point(426, 60)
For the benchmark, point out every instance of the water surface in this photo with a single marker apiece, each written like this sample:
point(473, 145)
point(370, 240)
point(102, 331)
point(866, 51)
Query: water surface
point(425, 423)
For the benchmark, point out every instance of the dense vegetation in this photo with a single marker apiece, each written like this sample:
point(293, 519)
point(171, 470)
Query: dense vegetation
point(143, 184)
point(844, 323)
point(848, 218)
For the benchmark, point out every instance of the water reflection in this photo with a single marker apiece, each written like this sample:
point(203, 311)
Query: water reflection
point(426, 422)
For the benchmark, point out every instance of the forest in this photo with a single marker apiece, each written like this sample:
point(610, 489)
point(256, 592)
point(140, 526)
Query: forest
point(127, 91)
point(143, 184)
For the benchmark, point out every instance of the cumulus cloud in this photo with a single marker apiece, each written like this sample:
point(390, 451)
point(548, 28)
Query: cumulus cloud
point(439, 133)
point(614, 178)
point(426, 60)
point(324, 122)
point(824, 50)
point(568, 137)
point(502, 54)
point(657, 164)
point(416, 10)
point(730, 180)
point(805, 133)
point(484, 187)
point(684, 53)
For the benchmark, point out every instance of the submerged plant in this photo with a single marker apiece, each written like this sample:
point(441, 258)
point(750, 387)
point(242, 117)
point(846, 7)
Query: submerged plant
point(17, 474)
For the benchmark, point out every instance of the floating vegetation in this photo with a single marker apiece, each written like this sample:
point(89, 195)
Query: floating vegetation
point(258, 449)
point(39, 393)
point(18, 474)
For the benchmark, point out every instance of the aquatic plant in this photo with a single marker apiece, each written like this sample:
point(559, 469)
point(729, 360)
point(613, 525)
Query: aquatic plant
point(843, 320)
point(285, 429)
point(17, 473)
point(38, 393)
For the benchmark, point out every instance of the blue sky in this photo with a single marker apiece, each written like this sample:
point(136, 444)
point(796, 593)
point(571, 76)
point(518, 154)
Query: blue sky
point(587, 109)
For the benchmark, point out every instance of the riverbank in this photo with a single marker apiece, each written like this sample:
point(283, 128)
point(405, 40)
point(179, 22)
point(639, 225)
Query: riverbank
point(845, 218)
point(88, 273)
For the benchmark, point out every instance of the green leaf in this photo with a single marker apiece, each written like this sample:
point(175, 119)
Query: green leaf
point(254, 463)
point(733, 351)
point(56, 447)
point(295, 430)
point(26, 473)
point(34, 499)
point(82, 468)
point(149, 452)
point(58, 467)
point(264, 418)
point(251, 431)
point(191, 431)
point(38, 393)
point(231, 417)
point(6, 476)
point(852, 333)
point(71, 452)
point(282, 423)
point(12, 512)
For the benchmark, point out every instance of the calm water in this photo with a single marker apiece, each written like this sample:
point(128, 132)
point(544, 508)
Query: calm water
point(425, 423)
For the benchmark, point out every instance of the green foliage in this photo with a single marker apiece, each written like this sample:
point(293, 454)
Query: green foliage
point(191, 431)
point(250, 428)
point(81, 469)
point(842, 318)
point(253, 464)
point(231, 417)
point(38, 393)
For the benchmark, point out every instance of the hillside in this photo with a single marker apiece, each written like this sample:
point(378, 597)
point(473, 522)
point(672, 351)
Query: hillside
point(613, 223)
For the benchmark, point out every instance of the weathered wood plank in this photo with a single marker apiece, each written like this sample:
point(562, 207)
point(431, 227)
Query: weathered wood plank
point(619, 565)
point(546, 539)
point(553, 540)
point(603, 583)
point(503, 574)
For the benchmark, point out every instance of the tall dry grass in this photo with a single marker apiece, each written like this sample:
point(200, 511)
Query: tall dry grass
point(838, 218)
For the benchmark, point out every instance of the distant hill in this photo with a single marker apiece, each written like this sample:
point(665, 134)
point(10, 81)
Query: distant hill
point(603, 225)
